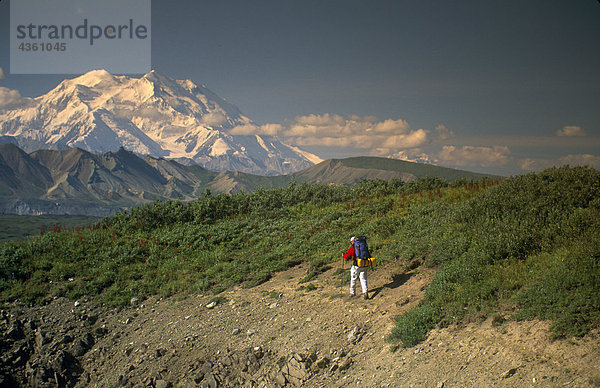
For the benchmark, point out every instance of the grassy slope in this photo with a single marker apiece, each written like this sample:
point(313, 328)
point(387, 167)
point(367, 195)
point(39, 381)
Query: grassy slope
point(420, 170)
point(527, 247)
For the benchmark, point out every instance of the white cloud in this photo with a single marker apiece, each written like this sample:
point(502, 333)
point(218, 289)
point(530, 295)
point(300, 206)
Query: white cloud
point(443, 133)
point(392, 138)
point(530, 164)
point(365, 132)
point(571, 130)
point(474, 156)
point(252, 129)
point(271, 129)
point(1, 73)
point(325, 125)
point(11, 99)
point(245, 129)
point(412, 139)
point(581, 160)
point(391, 126)
point(214, 119)
point(571, 160)
point(410, 155)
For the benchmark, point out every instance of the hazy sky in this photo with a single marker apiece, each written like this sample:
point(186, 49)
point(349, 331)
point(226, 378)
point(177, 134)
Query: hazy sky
point(495, 86)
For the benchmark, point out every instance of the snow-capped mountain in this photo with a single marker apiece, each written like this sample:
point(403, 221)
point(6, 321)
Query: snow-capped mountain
point(151, 115)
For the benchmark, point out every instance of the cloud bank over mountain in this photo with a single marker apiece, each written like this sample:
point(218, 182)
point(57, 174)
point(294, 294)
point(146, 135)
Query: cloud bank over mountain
point(397, 139)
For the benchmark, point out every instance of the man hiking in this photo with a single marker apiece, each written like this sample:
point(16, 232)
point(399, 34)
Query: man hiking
point(357, 271)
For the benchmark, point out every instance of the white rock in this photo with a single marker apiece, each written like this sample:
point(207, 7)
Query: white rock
point(211, 305)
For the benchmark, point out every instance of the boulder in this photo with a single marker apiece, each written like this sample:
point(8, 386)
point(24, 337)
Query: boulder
point(162, 384)
point(355, 335)
point(210, 381)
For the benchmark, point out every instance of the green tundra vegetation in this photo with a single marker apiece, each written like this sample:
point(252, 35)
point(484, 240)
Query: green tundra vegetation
point(16, 227)
point(521, 248)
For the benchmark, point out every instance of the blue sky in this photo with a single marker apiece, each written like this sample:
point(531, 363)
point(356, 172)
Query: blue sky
point(503, 87)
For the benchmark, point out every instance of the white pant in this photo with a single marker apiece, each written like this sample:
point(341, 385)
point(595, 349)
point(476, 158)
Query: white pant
point(361, 273)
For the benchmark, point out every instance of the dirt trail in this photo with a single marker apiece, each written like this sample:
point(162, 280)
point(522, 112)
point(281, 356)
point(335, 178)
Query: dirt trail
point(313, 334)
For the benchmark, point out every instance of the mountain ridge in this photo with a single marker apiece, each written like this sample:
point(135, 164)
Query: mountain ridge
point(73, 180)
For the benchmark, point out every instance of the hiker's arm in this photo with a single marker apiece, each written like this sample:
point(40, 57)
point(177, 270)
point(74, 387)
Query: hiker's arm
point(350, 254)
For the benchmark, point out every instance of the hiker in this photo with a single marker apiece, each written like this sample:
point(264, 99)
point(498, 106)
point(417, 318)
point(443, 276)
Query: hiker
point(356, 271)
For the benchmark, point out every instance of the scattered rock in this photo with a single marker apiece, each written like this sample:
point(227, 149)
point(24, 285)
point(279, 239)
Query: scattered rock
point(198, 377)
point(83, 344)
point(211, 305)
point(509, 373)
point(101, 331)
point(258, 352)
point(162, 384)
point(67, 339)
point(50, 346)
point(322, 363)
point(206, 367)
point(121, 381)
point(40, 339)
point(355, 335)
point(187, 383)
point(210, 382)
point(296, 372)
point(345, 364)
point(280, 379)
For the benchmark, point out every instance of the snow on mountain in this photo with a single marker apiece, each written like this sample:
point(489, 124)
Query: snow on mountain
point(151, 115)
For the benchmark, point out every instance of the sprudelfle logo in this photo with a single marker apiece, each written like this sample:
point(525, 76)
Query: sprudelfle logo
point(76, 36)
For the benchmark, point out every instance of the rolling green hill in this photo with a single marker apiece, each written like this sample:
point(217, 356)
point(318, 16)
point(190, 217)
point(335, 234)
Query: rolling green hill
point(418, 170)
point(352, 170)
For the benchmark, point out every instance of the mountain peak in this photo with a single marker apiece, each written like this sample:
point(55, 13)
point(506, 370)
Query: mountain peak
point(150, 115)
point(155, 76)
point(93, 78)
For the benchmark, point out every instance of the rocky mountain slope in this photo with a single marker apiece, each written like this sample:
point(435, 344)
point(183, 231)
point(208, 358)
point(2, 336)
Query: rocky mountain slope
point(75, 181)
point(151, 115)
point(282, 333)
